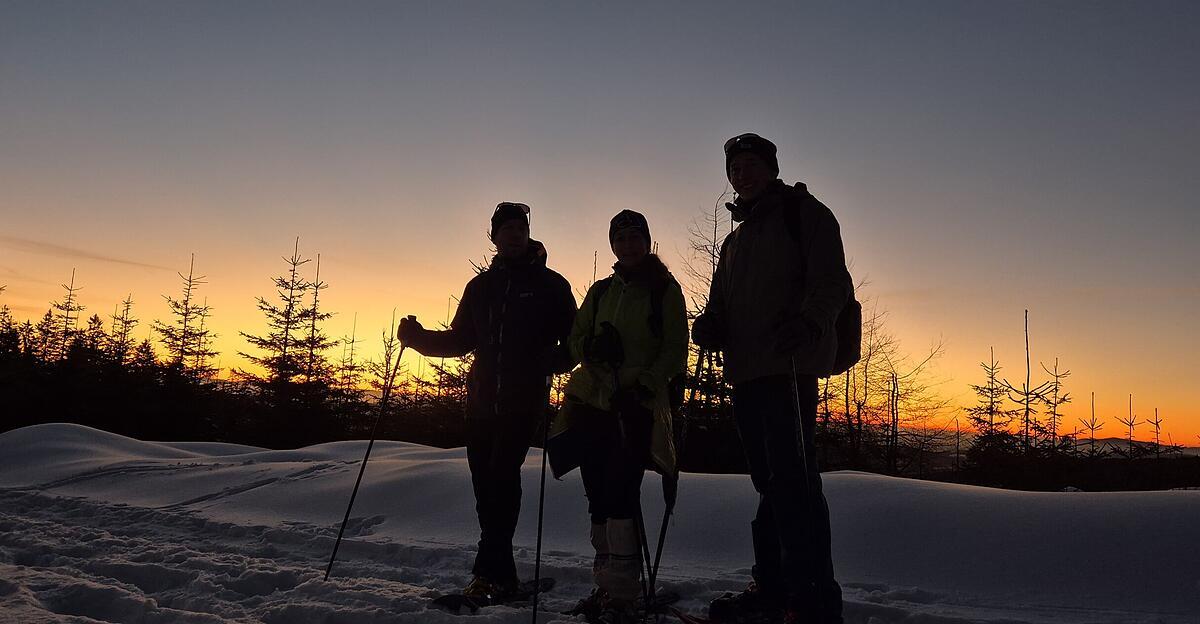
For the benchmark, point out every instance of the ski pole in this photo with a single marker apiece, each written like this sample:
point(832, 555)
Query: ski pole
point(662, 538)
point(387, 389)
point(644, 564)
point(537, 558)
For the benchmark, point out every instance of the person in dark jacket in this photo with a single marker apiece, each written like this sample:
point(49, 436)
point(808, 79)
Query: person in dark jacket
point(515, 317)
point(780, 283)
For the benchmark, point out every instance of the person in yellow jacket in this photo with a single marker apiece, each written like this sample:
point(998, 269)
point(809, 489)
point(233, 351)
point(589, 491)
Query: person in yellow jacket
point(631, 337)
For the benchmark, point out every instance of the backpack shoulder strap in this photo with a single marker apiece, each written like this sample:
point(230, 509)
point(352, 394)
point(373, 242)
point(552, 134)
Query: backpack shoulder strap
point(600, 287)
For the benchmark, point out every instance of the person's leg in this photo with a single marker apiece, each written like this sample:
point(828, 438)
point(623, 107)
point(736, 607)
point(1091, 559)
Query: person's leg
point(599, 428)
point(495, 453)
point(797, 500)
point(625, 469)
point(751, 401)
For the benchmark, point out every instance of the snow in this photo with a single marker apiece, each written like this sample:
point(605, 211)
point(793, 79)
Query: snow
point(95, 527)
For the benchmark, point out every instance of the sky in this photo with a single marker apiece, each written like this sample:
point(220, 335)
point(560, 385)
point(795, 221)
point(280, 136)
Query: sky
point(982, 159)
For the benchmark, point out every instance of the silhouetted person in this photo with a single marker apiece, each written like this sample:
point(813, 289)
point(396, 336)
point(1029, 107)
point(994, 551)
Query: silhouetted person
point(780, 282)
point(515, 316)
point(631, 337)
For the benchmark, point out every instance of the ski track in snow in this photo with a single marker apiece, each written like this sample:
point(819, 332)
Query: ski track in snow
point(66, 557)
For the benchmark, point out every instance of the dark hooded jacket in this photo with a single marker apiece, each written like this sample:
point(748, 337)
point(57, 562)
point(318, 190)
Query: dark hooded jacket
point(783, 262)
point(515, 316)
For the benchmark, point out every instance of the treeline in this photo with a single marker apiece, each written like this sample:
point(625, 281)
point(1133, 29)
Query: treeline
point(87, 369)
point(885, 415)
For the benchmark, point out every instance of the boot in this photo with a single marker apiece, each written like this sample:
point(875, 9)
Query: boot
point(618, 612)
point(485, 591)
point(622, 578)
point(754, 604)
point(591, 606)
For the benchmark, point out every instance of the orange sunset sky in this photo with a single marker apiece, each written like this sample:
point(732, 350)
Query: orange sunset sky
point(981, 160)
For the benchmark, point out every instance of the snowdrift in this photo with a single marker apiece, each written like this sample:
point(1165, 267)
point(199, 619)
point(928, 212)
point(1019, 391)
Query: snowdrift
point(99, 527)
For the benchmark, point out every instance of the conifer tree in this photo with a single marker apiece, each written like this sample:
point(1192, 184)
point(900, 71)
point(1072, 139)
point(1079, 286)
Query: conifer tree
point(1027, 395)
point(315, 342)
point(1054, 398)
point(1092, 425)
point(988, 416)
point(10, 338)
point(188, 344)
point(282, 356)
point(120, 341)
point(66, 322)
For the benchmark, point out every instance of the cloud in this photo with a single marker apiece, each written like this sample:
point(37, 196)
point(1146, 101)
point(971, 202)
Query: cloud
point(50, 249)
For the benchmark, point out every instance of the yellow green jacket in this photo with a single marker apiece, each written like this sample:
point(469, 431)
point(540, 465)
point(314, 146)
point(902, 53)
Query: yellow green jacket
point(652, 358)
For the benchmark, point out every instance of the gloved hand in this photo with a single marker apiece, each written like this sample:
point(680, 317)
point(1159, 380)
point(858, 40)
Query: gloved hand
point(708, 332)
point(605, 346)
point(409, 329)
point(554, 360)
point(793, 333)
point(643, 393)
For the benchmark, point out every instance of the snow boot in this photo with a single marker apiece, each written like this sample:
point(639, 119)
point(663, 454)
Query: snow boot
point(621, 578)
point(591, 606)
point(750, 606)
point(619, 612)
point(485, 591)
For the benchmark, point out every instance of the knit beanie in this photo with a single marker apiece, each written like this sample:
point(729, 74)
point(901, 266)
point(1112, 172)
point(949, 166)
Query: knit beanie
point(628, 219)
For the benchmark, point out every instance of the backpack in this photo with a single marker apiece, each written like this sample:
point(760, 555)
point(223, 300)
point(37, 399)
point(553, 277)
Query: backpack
point(849, 319)
point(675, 385)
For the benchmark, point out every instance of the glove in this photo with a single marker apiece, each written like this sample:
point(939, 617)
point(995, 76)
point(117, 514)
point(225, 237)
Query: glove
point(605, 347)
point(707, 333)
point(409, 329)
point(554, 360)
point(794, 334)
point(643, 394)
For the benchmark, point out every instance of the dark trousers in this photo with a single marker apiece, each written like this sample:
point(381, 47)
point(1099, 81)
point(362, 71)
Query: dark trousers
point(792, 544)
point(614, 459)
point(496, 450)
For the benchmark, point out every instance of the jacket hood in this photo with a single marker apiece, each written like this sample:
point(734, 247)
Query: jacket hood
point(535, 255)
point(651, 270)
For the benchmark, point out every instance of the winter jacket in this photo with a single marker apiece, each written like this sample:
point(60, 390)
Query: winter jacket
point(655, 351)
point(783, 263)
point(515, 317)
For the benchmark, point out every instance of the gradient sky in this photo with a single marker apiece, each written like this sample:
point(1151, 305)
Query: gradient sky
point(983, 158)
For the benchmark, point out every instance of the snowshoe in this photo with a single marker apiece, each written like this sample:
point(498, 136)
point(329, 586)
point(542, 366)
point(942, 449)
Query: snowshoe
point(482, 593)
point(753, 605)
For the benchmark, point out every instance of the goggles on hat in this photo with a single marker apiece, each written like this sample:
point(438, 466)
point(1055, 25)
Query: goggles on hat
point(524, 208)
point(744, 141)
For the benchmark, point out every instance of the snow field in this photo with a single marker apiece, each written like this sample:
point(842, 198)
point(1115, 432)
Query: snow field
point(95, 527)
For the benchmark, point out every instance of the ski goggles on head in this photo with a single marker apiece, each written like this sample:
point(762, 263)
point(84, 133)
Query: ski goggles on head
point(509, 210)
point(517, 206)
point(749, 142)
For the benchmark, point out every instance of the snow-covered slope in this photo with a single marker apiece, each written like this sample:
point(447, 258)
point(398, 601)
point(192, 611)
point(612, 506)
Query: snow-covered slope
point(98, 527)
